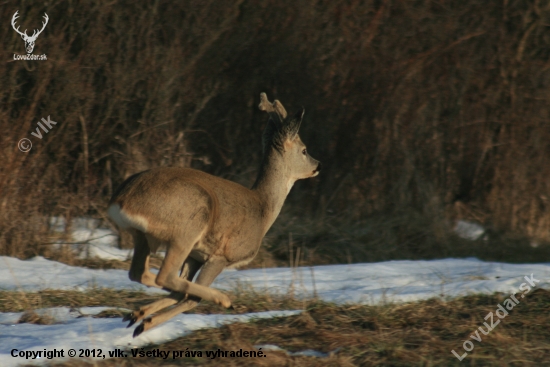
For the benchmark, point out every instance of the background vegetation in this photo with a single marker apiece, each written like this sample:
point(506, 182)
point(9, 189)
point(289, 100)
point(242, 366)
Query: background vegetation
point(422, 112)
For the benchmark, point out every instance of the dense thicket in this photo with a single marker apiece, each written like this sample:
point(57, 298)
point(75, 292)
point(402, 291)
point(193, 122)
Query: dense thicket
point(441, 107)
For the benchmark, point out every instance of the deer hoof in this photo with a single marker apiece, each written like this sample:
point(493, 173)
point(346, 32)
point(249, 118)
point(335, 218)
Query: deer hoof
point(140, 329)
point(224, 301)
point(133, 319)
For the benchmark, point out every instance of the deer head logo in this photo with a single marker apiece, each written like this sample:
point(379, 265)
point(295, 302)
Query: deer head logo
point(29, 40)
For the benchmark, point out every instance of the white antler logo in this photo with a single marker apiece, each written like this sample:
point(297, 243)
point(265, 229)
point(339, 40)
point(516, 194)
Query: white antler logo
point(29, 40)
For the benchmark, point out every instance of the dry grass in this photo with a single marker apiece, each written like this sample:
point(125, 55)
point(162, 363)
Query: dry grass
point(414, 334)
point(245, 300)
point(296, 240)
point(15, 301)
point(31, 317)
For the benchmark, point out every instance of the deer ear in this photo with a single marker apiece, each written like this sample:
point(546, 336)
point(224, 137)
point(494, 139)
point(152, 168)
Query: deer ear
point(299, 115)
point(293, 125)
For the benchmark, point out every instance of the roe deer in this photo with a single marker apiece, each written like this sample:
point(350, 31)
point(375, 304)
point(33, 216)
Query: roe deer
point(206, 222)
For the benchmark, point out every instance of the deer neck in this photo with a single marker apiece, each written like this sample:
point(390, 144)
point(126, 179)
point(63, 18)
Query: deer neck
point(272, 185)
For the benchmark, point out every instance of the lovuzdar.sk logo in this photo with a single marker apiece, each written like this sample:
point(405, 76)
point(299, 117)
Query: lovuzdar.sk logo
point(29, 40)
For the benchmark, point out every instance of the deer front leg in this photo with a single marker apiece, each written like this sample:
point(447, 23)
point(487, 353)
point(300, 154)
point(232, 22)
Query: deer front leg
point(209, 272)
point(168, 277)
point(189, 269)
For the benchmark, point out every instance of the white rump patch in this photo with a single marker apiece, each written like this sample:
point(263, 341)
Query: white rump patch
point(125, 220)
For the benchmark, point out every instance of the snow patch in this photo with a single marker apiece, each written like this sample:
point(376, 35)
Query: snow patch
point(371, 283)
point(90, 240)
point(305, 353)
point(469, 230)
point(106, 334)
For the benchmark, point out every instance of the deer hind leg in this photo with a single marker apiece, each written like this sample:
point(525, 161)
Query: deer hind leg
point(189, 269)
point(139, 269)
point(208, 273)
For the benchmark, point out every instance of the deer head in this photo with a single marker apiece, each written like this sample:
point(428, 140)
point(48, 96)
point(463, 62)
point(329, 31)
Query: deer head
point(281, 135)
point(279, 128)
point(29, 40)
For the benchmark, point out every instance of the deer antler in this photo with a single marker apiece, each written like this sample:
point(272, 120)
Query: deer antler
point(43, 26)
point(13, 25)
point(275, 107)
point(24, 34)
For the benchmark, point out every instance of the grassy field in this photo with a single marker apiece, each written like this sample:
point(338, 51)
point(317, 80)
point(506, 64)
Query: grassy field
point(413, 334)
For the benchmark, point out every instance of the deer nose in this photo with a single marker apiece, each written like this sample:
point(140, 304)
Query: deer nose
point(318, 167)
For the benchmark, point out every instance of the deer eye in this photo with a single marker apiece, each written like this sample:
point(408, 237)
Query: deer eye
point(304, 151)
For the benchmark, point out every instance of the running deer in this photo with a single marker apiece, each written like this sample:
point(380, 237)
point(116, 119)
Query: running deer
point(206, 222)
